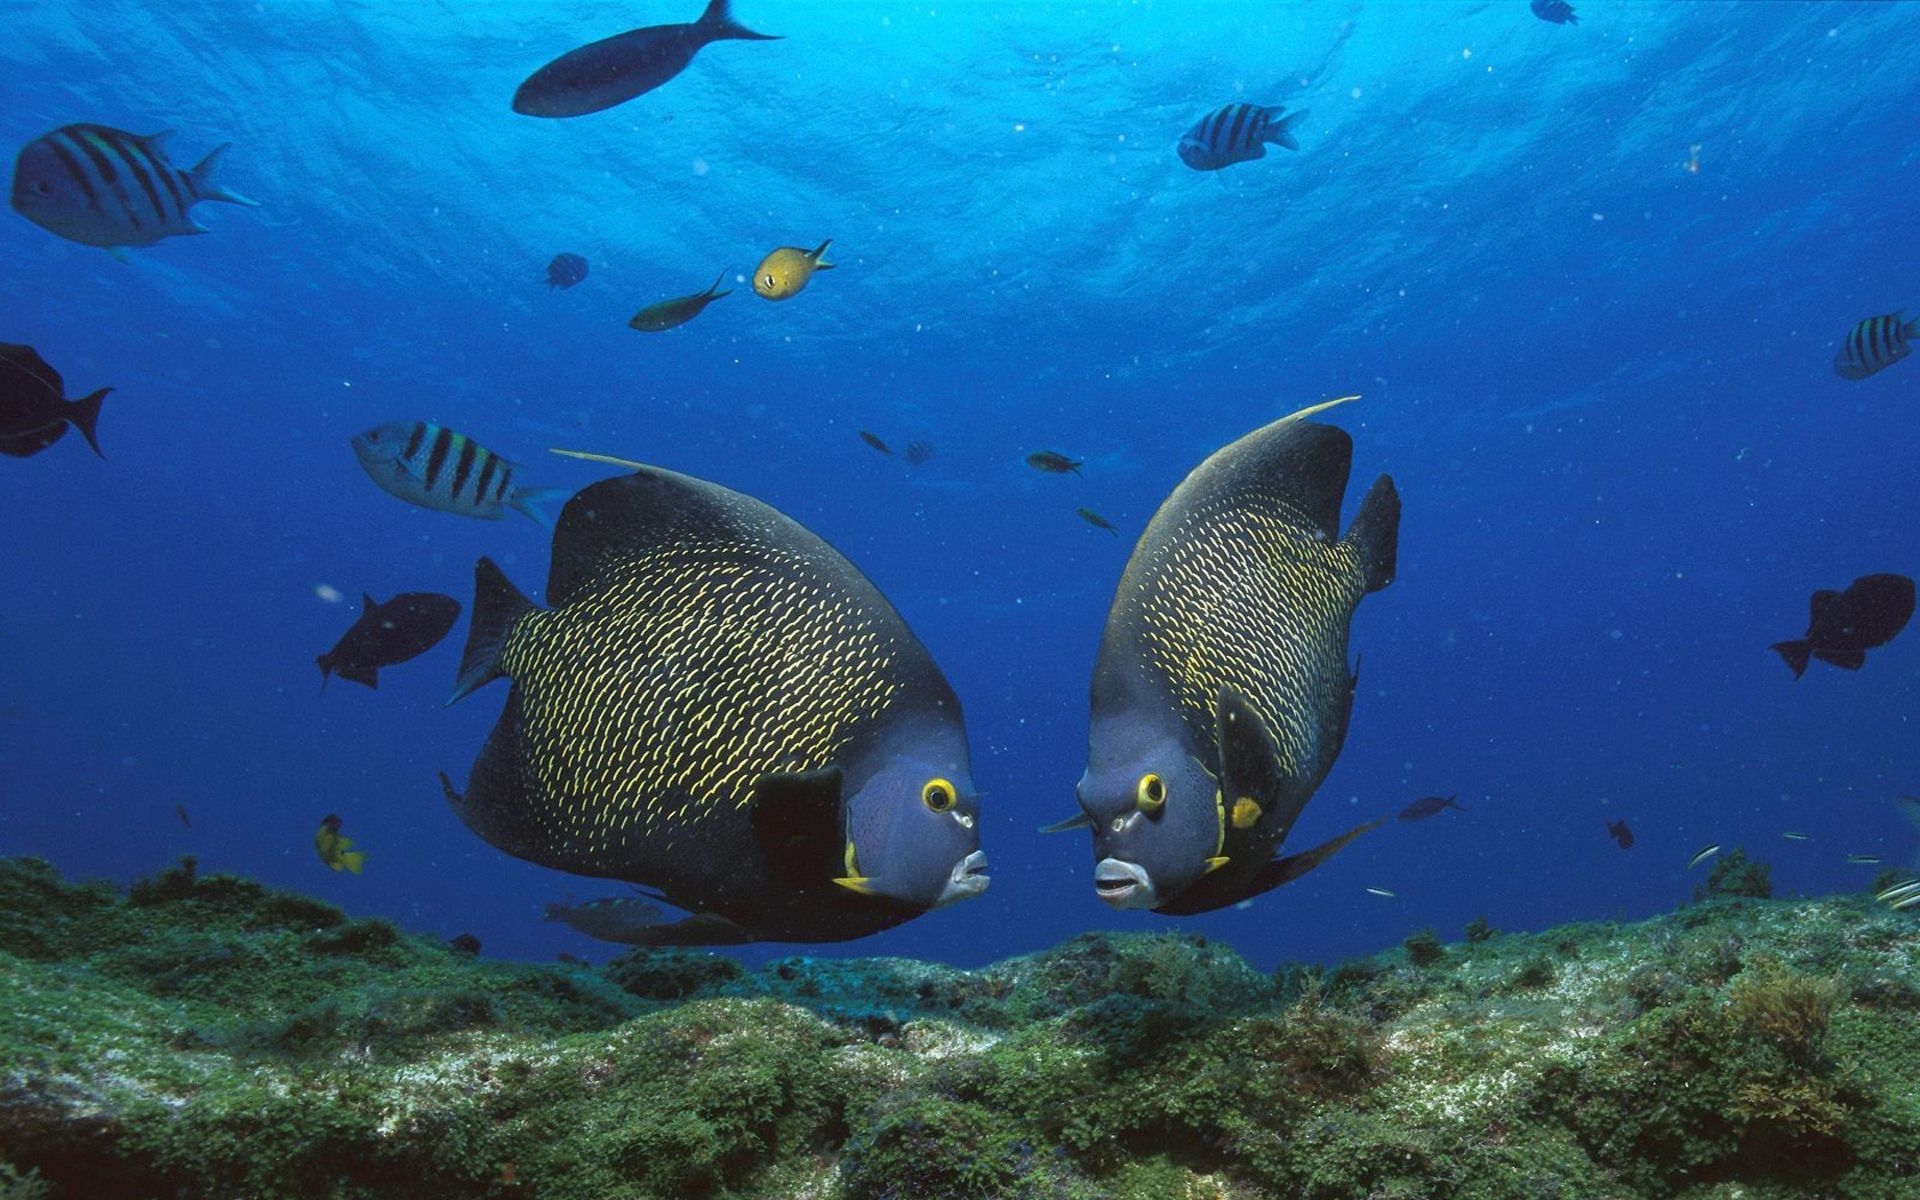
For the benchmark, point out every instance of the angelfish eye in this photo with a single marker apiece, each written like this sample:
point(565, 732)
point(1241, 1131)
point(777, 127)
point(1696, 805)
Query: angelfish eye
point(1150, 796)
point(937, 795)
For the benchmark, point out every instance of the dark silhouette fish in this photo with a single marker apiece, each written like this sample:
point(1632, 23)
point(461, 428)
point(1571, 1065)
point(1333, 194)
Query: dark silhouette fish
point(566, 270)
point(1235, 134)
point(405, 627)
point(1875, 344)
point(34, 409)
point(874, 440)
point(1621, 835)
point(1053, 462)
point(1845, 625)
point(917, 452)
point(616, 69)
point(629, 920)
point(1429, 806)
point(1222, 690)
point(1558, 12)
point(658, 318)
point(1096, 520)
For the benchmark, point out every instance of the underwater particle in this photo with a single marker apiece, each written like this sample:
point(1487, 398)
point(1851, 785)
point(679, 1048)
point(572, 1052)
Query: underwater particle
point(667, 314)
point(1875, 344)
point(614, 70)
point(1237, 133)
point(327, 593)
point(1693, 159)
point(1096, 520)
point(782, 274)
point(336, 850)
point(566, 270)
point(1428, 806)
point(434, 467)
point(1557, 12)
point(386, 635)
point(1845, 625)
point(1622, 835)
point(105, 187)
point(1222, 685)
point(720, 707)
point(34, 409)
point(1702, 855)
point(873, 439)
point(917, 452)
point(1052, 462)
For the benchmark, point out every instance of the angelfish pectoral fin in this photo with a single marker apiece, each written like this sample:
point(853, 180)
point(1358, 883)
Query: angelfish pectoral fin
point(1293, 866)
point(799, 824)
point(1255, 798)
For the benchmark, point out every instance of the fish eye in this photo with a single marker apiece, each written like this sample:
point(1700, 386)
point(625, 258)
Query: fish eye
point(1150, 796)
point(42, 187)
point(937, 795)
point(767, 279)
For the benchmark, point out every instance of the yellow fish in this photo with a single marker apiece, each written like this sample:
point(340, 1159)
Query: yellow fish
point(784, 272)
point(336, 851)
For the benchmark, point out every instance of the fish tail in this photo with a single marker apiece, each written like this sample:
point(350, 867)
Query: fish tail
point(1375, 533)
point(354, 860)
point(1796, 654)
point(718, 23)
point(497, 607)
point(206, 188)
point(84, 413)
point(820, 264)
point(1280, 132)
point(715, 291)
point(534, 502)
point(325, 663)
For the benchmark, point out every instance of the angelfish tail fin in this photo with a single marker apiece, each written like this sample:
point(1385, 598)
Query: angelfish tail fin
point(84, 414)
point(497, 607)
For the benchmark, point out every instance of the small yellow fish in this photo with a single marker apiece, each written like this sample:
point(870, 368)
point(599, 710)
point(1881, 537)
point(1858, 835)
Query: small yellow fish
point(336, 851)
point(783, 273)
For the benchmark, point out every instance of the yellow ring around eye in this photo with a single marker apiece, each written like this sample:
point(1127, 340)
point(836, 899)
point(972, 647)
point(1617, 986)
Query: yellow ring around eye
point(937, 795)
point(1150, 796)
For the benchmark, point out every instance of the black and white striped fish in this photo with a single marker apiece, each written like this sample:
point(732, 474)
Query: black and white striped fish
point(1876, 344)
point(105, 187)
point(434, 467)
point(1237, 133)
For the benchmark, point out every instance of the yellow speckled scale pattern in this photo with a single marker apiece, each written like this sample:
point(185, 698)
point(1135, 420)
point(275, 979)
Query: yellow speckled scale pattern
point(677, 677)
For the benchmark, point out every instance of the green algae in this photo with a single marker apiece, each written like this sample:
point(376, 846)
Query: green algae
point(203, 1035)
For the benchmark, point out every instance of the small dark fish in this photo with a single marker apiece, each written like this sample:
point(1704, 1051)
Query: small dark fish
point(1621, 835)
point(337, 851)
point(1096, 520)
point(873, 439)
point(434, 467)
point(1429, 806)
point(105, 187)
point(1235, 134)
point(1053, 463)
point(34, 409)
point(1845, 625)
point(614, 70)
point(658, 318)
point(917, 453)
point(1864, 860)
point(464, 943)
point(1702, 855)
point(1876, 344)
point(405, 627)
point(626, 919)
point(566, 270)
point(1559, 12)
point(180, 810)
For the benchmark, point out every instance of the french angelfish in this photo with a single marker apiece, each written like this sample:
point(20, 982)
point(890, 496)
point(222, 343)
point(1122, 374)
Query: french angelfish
point(614, 70)
point(109, 188)
point(1221, 693)
point(721, 708)
point(386, 635)
point(434, 467)
point(34, 409)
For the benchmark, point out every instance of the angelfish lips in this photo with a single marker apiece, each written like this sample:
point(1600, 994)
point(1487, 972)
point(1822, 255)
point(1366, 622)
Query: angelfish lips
point(1124, 884)
point(967, 880)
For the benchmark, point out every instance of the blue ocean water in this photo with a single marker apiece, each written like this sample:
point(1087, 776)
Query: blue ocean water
point(1589, 279)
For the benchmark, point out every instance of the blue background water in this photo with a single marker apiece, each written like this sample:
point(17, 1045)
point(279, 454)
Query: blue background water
point(1602, 381)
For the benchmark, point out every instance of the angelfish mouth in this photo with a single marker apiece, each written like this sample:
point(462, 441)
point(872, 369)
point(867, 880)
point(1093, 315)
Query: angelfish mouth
point(1124, 884)
point(968, 880)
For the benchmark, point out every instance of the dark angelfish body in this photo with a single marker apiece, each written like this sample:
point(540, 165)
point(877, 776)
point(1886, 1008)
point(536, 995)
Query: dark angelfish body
point(1621, 835)
point(34, 409)
point(874, 440)
point(1428, 806)
point(1235, 134)
point(628, 920)
point(1875, 344)
point(405, 627)
point(657, 318)
point(616, 69)
point(1053, 462)
point(721, 708)
point(1221, 693)
point(105, 187)
point(566, 270)
point(434, 467)
point(1845, 625)
point(1559, 12)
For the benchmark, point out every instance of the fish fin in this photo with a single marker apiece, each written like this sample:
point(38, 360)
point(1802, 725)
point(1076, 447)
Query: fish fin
point(157, 143)
point(119, 253)
point(1375, 533)
point(1796, 655)
point(206, 188)
point(590, 456)
point(1293, 866)
point(367, 604)
point(1250, 771)
point(325, 663)
point(497, 606)
point(1280, 133)
point(83, 414)
point(354, 860)
point(718, 23)
point(365, 676)
point(715, 291)
point(1314, 410)
point(534, 501)
point(820, 264)
point(701, 929)
point(799, 825)
point(1080, 821)
point(1305, 465)
point(1851, 660)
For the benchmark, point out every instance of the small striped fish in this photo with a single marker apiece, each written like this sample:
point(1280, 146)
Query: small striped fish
point(1876, 344)
point(434, 467)
point(105, 187)
point(1235, 134)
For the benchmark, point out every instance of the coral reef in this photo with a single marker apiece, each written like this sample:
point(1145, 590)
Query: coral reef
point(201, 1035)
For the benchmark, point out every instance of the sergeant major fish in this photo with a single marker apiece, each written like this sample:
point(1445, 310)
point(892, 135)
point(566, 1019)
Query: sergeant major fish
point(105, 187)
point(660, 317)
point(1221, 693)
point(614, 70)
point(1876, 344)
point(1235, 134)
point(1555, 12)
point(34, 409)
point(721, 708)
point(434, 467)
point(565, 271)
